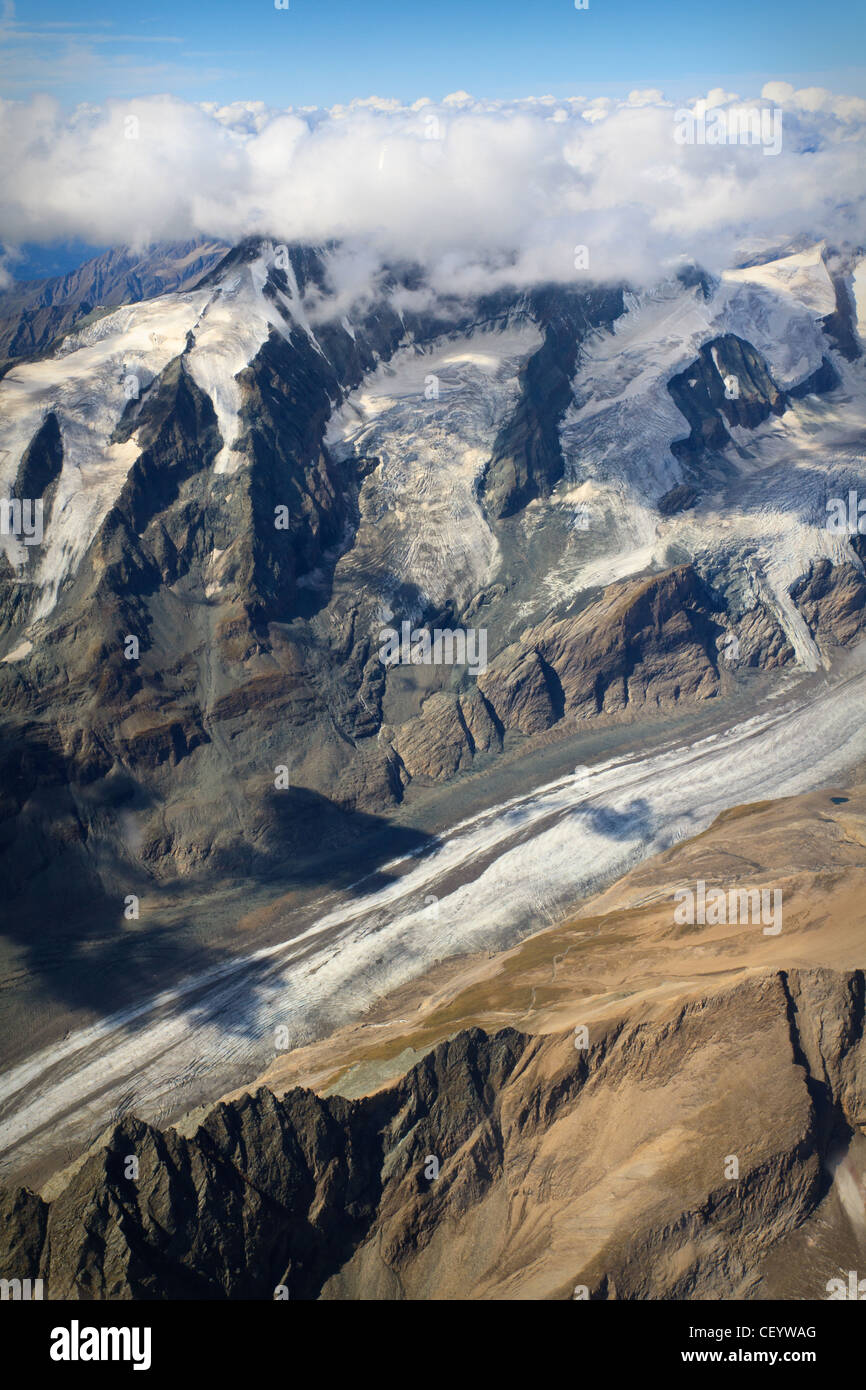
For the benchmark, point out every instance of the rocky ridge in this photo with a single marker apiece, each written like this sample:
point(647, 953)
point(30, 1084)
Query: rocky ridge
point(499, 1167)
point(258, 643)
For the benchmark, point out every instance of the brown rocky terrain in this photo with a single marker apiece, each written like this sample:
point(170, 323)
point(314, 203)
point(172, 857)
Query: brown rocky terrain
point(645, 642)
point(665, 1159)
point(832, 599)
point(704, 1137)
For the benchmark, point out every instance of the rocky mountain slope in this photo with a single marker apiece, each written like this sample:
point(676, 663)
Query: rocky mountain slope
point(251, 484)
point(622, 950)
point(619, 1107)
point(499, 1167)
point(35, 312)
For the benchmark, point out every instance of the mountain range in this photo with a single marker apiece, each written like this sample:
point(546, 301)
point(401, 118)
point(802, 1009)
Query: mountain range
point(244, 483)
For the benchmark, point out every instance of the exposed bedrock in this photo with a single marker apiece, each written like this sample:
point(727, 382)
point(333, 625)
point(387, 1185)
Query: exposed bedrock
point(501, 1166)
point(527, 456)
point(648, 641)
point(728, 383)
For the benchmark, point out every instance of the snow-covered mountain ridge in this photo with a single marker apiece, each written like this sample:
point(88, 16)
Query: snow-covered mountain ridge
point(627, 492)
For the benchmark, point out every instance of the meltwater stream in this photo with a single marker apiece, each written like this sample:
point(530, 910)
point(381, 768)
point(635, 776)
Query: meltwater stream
point(483, 884)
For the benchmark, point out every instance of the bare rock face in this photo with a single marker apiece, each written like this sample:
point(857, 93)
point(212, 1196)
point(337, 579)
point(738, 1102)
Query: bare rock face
point(527, 456)
point(645, 642)
point(484, 733)
point(522, 689)
point(499, 1167)
point(445, 737)
point(832, 599)
point(436, 743)
point(761, 641)
point(23, 1218)
point(729, 383)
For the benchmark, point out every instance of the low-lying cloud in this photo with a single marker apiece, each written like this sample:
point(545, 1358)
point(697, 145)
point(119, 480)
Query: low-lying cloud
point(479, 192)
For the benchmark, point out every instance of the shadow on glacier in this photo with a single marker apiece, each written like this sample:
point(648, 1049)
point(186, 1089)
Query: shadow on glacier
point(637, 820)
point(105, 970)
point(65, 914)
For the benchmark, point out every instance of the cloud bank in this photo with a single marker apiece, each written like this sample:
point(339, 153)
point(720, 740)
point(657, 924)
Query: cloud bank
point(479, 192)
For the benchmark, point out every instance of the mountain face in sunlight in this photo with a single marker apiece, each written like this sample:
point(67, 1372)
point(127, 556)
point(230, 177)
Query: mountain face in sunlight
point(240, 494)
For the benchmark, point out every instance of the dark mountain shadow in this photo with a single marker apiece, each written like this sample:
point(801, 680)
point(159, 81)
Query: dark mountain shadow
point(89, 957)
point(68, 881)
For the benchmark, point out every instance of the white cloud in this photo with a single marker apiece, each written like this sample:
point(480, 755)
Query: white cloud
point(816, 99)
point(482, 192)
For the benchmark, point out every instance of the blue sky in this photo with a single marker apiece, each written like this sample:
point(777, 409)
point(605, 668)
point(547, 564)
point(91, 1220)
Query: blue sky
point(322, 52)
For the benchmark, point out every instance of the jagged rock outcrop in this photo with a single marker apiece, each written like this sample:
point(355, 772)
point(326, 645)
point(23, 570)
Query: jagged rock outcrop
point(841, 325)
point(527, 456)
point(678, 499)
point(760, 641)
point(522, 689)
point(729, 382)
point(446, 735)
point(832, 599)
point(647, 641)
point(498, 1167)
